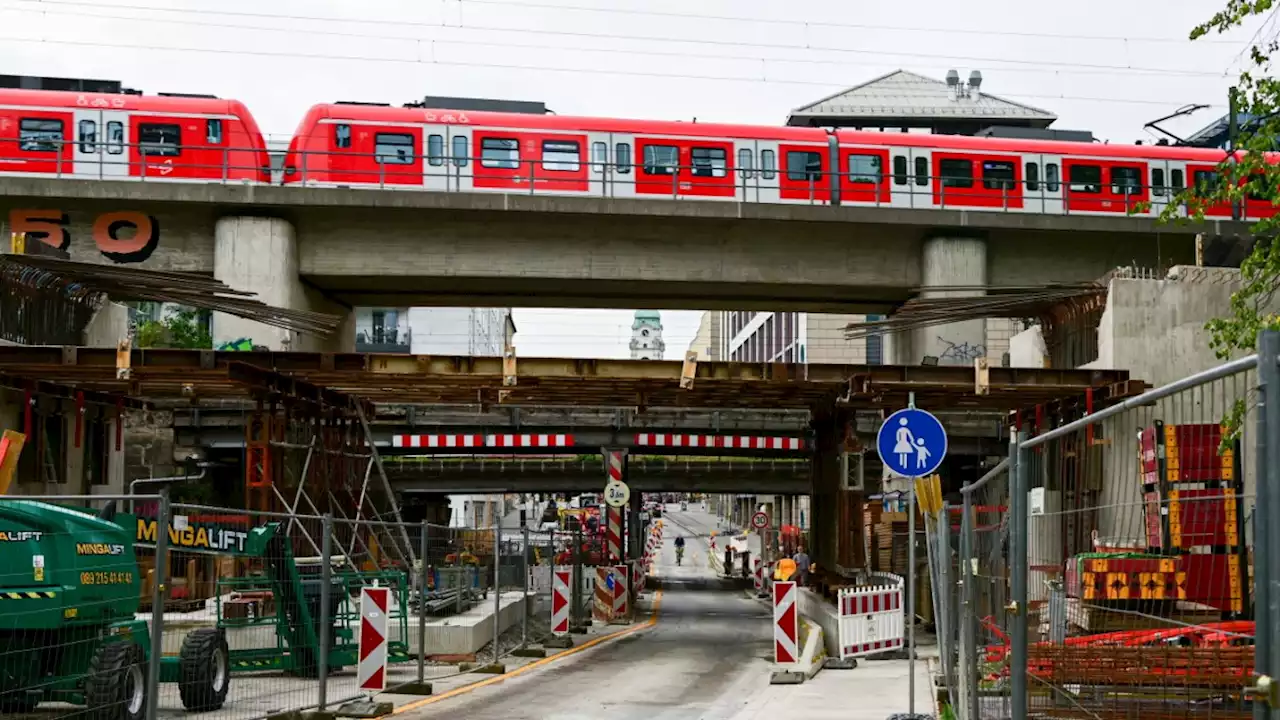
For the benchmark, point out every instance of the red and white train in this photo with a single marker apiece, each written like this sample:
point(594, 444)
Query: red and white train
point(357, 145)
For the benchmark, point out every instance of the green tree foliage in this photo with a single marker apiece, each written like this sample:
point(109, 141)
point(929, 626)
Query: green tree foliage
point(1245, 175)
point(181, 329)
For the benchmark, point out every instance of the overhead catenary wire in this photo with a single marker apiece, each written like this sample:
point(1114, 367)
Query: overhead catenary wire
point(1058, 67)
point(190, 290)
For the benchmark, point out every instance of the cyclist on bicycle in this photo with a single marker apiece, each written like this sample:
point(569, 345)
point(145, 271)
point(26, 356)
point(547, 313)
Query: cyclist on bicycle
point(679, 549)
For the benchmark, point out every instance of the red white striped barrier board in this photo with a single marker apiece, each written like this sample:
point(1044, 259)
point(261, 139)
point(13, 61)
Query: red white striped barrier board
point(727, 442)
point(560, 584)
point(786, 623)
point(371, 667)
point(613, 519)
point(437, 441)
point(602, 605)
point(871, 620)
point(525, 440)
point(758, 573)
point(620, 596)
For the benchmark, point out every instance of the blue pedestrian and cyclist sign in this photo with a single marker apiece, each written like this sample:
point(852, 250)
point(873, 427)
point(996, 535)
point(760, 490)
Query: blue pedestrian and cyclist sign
point(912, 443)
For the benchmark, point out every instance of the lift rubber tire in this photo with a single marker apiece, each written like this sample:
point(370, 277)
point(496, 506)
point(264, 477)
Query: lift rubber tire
point(116, 686)
point(204, 670)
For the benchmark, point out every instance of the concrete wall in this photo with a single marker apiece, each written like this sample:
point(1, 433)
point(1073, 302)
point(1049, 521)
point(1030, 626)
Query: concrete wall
point(108, 326)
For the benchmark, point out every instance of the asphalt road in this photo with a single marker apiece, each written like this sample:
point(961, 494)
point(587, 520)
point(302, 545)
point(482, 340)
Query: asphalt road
point(701, 661)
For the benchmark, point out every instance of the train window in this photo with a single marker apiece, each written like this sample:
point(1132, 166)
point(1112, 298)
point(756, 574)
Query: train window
point(1085, 178)
point(1033, 176)
point(342, 136)
point(922, 171)
point(503, 153)
point(661, 159)
point(1157, 182)
point(709, 162)
point(1126, 180)
point(461, 153)
point(1051, 177)
point(899, 169)
point(599, 156)
point(1205, 181)
point(115, 137)
point(394, 148)
point(39, 135)
point(865, 169)
point(746, 162)
point(768, 164)
point(997, 175)
point(561, 156)
point(213, 131)
point(1175, 179)
point(804, 166)
point(88, 136)
point(159, 139)
point(435, 150)
point(956, 173)
point(622, 156)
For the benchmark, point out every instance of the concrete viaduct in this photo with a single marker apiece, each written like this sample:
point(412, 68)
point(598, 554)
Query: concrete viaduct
point(334, 249)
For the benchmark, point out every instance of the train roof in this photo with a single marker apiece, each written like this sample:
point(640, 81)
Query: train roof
point(122, 101)
point(563, 123)
point(967, 143)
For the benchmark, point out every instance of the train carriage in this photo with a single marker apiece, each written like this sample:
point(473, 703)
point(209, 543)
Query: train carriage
point(127, 136)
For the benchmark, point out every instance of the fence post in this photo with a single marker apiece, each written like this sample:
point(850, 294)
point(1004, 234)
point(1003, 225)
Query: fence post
point(157, 603)
point(1018, 575)
point(324, 623)
point(969, 614)
point(524, 621)
point(497, 577)
point(422, 605)
point(1266, 504)
point(911, 600)
point(946, 601)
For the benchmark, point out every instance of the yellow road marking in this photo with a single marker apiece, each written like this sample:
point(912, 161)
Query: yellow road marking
point(653, 620)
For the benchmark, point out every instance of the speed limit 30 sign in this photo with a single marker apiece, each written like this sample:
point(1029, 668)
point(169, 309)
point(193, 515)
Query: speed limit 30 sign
point(760, 520)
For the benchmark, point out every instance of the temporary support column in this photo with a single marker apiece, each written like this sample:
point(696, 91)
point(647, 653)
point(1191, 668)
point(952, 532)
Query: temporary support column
point(828, 506)
point(614, 462)
point(260, 255)
point(635, 540)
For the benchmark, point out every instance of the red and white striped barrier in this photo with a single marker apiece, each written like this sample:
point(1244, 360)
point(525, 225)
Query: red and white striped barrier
point(871, 620)
point(758, 573)
point(371, 666)
point(613, 528)
point(602, 606)
point(560, 584)
point(525, 440)
point(728, 442)
point(621, 598)
point(786, 623)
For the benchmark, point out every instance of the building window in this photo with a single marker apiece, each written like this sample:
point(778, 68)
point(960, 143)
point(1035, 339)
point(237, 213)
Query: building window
point(804, 166)
point(461, 151)
point(88, 136)
point(997, 175)
point(1051, 177)
point(1085, 179)
point(502, 153)
point(865, 169)
point(922, 172)
point(394, 148)
point(1157, 182)
point(746, 159)
point(899, 169)
point(159, 139)
point(115, 137)
point(661, 159)
point(875, 343)
point(599, 156)
point(213, 132)
point(709, 162)
point(342, 136)
point(768, 164)
point(39, 135)
point(1126, 180)
point(1033, 176)
point(956, 173)
point(435, 150)
point(622, 156)
point(561, 156)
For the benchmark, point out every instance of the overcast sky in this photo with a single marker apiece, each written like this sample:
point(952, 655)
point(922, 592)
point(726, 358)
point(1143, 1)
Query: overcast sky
point(1099, 65)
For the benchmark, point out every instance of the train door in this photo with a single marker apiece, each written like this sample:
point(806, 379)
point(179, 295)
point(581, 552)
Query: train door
point(113, 143)
point(768, 188)
point(623, 152)
point(463, 158)
point(1042, 180)
point(909, 178)
point(86, 150)
point(1175, 183)
point(747, 175)
point(599, 164)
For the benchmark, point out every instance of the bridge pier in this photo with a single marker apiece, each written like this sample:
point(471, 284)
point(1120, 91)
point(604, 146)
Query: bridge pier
point(835, 525)
point(950, 260)
point(260, 255)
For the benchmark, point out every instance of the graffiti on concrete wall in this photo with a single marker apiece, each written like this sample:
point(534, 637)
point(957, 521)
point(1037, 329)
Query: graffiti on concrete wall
point(124, 236)
point(961, 353)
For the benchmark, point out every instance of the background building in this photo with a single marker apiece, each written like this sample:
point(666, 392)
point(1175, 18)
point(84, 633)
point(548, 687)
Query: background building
point(435, 331)
point(646, 336)
point(793, 337)
point(707, 340)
